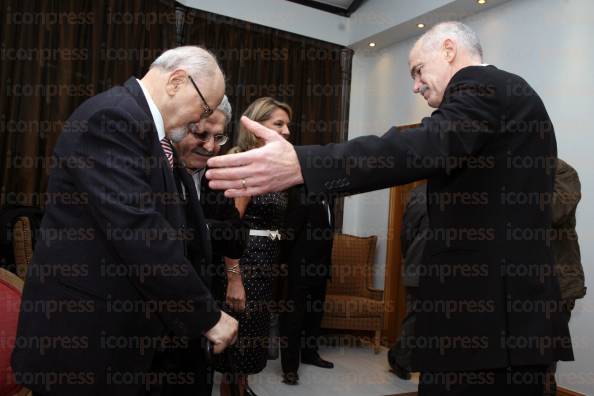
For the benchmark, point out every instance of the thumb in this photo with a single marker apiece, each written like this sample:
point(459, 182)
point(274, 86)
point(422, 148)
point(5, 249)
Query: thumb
point(267, 135)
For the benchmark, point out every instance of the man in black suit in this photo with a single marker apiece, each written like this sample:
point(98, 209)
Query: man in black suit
point(111, 298)
point(488, 317)
point(308, 252)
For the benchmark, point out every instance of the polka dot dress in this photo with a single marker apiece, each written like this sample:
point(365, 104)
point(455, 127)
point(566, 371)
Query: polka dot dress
point(249, 354)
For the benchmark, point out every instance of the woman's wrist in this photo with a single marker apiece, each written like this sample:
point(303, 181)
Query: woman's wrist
point(232, 269)
point(233, 275)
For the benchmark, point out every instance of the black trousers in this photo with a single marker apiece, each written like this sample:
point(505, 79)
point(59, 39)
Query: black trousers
point(300, 327)
point(401, 353)
point(183, 371)
point(511, 381)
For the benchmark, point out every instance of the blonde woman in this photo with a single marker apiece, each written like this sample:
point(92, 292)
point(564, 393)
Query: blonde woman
point(264, 215)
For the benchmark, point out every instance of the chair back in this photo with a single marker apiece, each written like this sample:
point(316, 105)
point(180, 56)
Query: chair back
point(352, 264)
point(22, 245)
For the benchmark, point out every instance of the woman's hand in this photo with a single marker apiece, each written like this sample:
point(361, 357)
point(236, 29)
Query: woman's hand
point(235, 296)
point(235, 293)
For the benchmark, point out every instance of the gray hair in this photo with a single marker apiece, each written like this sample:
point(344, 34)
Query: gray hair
point(225, 108)
point(464, 35)
point(197, 61)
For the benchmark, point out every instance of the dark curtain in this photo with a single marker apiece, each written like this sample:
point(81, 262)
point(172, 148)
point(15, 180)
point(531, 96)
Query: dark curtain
point(310, 75)
point(54, 55)
point(57, 53)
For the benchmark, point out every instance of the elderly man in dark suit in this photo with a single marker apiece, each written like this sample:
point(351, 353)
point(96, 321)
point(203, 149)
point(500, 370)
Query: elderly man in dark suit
point(227, 230)
point(111, 298)
point(228, 233)
point(488, 316)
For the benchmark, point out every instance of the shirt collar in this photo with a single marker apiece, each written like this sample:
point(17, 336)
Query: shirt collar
point(155, 113)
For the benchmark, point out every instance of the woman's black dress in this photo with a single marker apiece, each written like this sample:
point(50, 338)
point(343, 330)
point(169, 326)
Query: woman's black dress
point(248, 355)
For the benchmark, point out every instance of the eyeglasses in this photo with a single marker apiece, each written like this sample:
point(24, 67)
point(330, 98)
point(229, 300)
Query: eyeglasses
point(207, 111)
point(204, 137)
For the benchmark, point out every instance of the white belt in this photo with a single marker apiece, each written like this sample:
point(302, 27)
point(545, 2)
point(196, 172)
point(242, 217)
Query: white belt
point(272, 234)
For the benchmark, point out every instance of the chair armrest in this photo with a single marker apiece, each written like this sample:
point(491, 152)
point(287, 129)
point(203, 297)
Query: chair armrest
point(375, 294)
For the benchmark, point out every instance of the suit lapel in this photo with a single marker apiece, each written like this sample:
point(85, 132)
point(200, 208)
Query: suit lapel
point(172, 212)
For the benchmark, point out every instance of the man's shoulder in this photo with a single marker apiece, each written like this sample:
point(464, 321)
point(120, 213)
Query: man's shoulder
point(114, 110)
point(117, 101)
point(487, 74)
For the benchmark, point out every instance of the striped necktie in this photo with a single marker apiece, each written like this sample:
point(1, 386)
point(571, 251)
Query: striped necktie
point(168, 149)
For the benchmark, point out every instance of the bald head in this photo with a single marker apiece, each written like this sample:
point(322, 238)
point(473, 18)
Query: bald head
point(465, 38)
point(184, 82)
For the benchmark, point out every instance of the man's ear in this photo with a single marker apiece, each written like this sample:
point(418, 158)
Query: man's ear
point(175, 81)
point(450, 50)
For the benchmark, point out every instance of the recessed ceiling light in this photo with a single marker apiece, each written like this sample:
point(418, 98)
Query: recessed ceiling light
point(372, 44)
point(420, 25)
point(481, 2)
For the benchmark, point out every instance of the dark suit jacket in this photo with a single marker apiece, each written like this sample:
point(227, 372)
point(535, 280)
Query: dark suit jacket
point(228, 233)
point(109, 277)
point(307, 243)
point(488, 295)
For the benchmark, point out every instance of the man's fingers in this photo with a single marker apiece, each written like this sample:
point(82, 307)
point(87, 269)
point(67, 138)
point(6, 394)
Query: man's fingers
point(232, 193)
point(239, 159)
point(244, 192)
point(230, 160)
point(230, 174)
point(228, 185)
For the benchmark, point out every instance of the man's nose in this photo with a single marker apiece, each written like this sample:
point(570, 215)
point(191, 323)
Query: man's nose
point(209, 145)
point(417, 86)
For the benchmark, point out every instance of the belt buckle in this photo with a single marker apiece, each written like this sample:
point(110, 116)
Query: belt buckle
point(274, 235)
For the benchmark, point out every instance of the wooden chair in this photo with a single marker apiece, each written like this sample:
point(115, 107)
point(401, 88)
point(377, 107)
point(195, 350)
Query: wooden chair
point(11, 288)
point(22, 245)
point(351, 301)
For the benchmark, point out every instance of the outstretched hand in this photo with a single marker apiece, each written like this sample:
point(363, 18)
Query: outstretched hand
point(272, 167)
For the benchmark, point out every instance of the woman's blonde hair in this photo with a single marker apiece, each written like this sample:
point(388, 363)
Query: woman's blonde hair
point(259, 110)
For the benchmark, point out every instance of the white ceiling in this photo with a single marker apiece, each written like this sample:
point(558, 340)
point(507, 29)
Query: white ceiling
point(383, 21)
point(391, 24)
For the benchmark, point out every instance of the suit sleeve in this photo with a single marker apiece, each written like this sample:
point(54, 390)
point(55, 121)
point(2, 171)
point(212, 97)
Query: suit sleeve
point(120, 196)
point(459, 129)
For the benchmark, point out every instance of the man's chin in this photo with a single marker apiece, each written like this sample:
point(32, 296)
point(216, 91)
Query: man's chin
point(197, 163)
point(178, 134)
point(433, 102)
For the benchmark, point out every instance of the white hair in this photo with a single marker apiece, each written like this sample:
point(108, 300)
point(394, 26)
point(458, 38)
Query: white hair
point(462, 33)
point(197, 61)
point(225, 108)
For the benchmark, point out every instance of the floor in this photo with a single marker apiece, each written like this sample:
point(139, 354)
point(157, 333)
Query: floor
point(357, 372)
